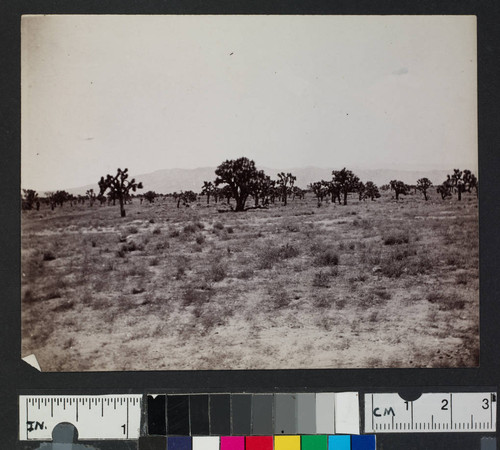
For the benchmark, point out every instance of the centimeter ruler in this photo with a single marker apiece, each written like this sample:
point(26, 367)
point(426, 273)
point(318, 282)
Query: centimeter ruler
point(431, 413)
point(94, 416)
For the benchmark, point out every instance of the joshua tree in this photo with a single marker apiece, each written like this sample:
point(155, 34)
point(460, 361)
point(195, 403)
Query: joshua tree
point(361, 190)
point(119, 186)
point(346, 182)
point(462, 181)
point(59, 197)
point(185, 197)
point(423, 184)
point(238, 175)
point(320, 190)
point(91, 196)
point(260, 187)
point(150, 196)
point(30, 198)
point(399, 188)
point(371, 191)
point(285, 180)
point(207, 189)
point(445, 190)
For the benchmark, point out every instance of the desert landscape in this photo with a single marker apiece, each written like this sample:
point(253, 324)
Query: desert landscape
point(382, 283)
point(249, 192)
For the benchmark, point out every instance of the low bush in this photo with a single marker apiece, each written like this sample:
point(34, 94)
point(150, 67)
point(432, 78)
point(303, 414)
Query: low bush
point(272, 255)
point(327, 257)
point(48, 255)
point(216, 273)
point(396, 238)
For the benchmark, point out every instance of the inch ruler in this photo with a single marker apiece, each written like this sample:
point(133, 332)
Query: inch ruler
point(431, 413)
point(114, 417)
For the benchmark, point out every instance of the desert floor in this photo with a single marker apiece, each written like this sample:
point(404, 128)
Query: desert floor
point(370, 284)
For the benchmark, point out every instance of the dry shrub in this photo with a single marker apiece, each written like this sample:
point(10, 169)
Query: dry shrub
point(396, 237)
point(327, 257)
point(48, 255)
point(272, 255)
point(195, 297)
point(322, 279)
point(245, 274)
point(446, 302)
point(216, 273)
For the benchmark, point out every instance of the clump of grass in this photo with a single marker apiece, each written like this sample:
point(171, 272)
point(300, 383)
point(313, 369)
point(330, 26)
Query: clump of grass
point(323, 302)
point(154, 261)
point(66, 306)
point(48, 255)
point(157, 230)
point(181, 266)
point(138, 290)
point(200, 239)
point(193, 297)
point(396, 237)
point(446, 302)
point(129, 247)
point(280, 299)
point(328, 257)
point(218, 226)
point(189, 229)
point(162, 245)
point(132, 230)
point(271, 255)
point(245, 274)
point(462, 278)
point(216, 273)
point(174, 233)
point(230, 230)
point(392, 267)
point(321, 279)
point(382, 293)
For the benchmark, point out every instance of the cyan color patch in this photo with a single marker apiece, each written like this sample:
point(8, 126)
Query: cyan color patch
point(340, 442)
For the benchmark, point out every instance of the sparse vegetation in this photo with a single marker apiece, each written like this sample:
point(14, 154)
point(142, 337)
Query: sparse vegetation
point(273, 281)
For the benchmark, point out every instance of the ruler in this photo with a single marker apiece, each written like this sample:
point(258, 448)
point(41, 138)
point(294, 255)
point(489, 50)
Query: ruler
point(114, 417)
point(431, 413)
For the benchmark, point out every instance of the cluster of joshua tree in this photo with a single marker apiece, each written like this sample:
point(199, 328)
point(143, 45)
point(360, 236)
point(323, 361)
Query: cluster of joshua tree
point(239, 180)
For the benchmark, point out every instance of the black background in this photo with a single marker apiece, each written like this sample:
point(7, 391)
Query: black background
point(17, 377)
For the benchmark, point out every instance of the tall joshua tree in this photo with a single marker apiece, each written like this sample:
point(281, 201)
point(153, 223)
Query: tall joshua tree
point(207, 189)
point(399, 188)
point(237, 175)
point(346, 182)
point(371, 191)
point(285, 180)
point(423, 184)
point(119, 187)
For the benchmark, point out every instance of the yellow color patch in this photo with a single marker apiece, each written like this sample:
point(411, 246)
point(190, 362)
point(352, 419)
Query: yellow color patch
point(286, 442)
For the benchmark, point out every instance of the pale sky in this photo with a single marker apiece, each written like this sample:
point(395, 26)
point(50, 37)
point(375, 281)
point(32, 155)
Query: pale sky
point(158, 92)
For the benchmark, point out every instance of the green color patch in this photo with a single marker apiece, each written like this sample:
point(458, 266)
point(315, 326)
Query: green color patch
point(316, 442)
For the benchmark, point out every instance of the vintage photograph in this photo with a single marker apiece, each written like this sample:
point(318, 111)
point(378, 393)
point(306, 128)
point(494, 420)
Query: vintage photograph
point(249, 192)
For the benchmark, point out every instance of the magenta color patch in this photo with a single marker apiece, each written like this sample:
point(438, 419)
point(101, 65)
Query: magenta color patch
point(232, 443)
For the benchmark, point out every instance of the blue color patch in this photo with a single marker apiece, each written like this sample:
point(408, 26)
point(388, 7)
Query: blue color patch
point(339, 442)
point(179, 443)
point(363, 442)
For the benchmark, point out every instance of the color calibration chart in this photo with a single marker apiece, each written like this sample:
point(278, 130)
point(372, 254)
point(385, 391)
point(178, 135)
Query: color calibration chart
point(280, 421)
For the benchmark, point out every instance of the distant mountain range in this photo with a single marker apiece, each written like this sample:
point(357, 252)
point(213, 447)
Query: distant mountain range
point(175, 180)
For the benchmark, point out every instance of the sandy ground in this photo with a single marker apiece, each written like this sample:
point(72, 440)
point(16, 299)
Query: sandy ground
point(370, 284)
